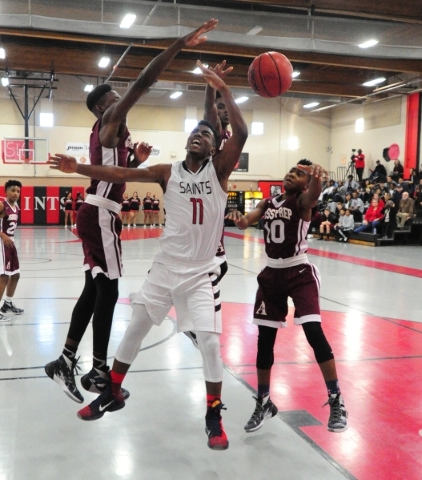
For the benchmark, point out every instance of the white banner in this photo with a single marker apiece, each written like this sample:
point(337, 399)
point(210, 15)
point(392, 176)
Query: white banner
point(79, 150)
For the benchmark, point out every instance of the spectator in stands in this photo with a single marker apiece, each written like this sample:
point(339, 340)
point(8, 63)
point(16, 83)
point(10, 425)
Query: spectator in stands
point(412, 180)
point(406, 209)
point(379, 174)
point(383, 187)
point(418, 196)
point(397, 195)
point(344, 226)
point(372, 218)
point(389, 223)
point(359, 161)
point(356, 207)
point(329, 219)
point(347, 200)
point(397, 170)
point(404, 185)
point(327, 193)
point(350, 184)
point(376, 196)
point(390, 181)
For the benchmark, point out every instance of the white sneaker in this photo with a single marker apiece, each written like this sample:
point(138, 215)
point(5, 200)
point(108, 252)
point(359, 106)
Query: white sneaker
point(145, 226)
point(151, 226)
point(3, 318)
point(128, 225)
point(134, 225)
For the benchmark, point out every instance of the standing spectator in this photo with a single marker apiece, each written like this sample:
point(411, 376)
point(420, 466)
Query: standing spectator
point(134, 203)
point(78, 202)
point(147, 207)
point(68, 209)
point(389, 223)
point(397, 170)
point(155, 211)
point(359, 161)
point(125, 211)
point(344, 226)
point(406, 209)
point(372, 219)
point(9, 261)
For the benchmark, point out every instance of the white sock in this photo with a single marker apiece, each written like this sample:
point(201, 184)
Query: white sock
point(8, 299)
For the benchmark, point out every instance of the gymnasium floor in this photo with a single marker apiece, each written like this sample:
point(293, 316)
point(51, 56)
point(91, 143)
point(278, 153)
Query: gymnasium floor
point(371, 301)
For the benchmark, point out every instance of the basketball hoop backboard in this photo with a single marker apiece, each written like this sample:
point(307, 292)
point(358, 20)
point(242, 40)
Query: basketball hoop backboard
point(18, 150)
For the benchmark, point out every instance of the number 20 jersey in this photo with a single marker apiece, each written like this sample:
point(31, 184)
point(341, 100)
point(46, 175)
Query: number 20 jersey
point(195, 204)
point(284, 231)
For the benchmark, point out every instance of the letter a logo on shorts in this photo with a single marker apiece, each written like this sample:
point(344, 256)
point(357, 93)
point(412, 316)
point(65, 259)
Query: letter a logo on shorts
point(261, 310)
point(8, 266)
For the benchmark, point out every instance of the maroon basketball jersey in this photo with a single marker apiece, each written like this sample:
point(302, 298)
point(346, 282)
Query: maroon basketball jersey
point(9, 223)
point(117, 157)
point(224, 136)
point(284, 231)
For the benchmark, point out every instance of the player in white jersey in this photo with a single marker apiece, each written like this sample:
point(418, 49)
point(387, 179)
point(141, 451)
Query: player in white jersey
point(185, 273)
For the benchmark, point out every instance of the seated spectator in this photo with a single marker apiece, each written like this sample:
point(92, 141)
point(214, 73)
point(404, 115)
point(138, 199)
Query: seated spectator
point(397, 195)
point(344, 226)
point(376, 196)
point(315, 220)
point(404, 185)
point(372, 219)
point(406, 209)
point(412, 180)
point(397, 170)
point(379, 174)
point(329, 219)
point(389, 223)
point(350, 184)
point(356, 207)
point(383, 187)
point(326, 194)
point(418, 196)
point(391, 180)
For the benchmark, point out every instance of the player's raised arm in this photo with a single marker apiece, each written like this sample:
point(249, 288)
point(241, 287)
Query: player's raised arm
point(155, 174)
point(116, 114)
point(309, 198)
point(225, 162)
point(244, 221)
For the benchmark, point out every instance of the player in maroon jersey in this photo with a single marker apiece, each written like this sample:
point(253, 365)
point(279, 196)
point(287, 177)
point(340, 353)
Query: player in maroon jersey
point(9, 261)
point(99, 223)
point(290, 274)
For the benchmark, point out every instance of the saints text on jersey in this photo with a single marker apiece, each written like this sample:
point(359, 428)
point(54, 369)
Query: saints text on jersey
point(195, 188)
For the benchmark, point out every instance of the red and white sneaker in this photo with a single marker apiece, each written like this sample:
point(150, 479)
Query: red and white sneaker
point(106, 402)
point(217, 438)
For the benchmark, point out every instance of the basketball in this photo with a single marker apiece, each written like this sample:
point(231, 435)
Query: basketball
point(270, 74)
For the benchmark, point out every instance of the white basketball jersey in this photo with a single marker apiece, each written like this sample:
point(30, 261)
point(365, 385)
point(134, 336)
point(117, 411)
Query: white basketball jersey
point(195, 205)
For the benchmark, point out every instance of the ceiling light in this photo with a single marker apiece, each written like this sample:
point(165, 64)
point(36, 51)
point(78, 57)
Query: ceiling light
point(128, 20)
point(2, 53)
point(197, 70)
point(176, 95)
point(103, 63)
point(311, 105)
point(255, 30)
point(5, 81)
point(374, 82)
point(295, 74)
point(241, 99)
point(367, 44)
point(88, 88)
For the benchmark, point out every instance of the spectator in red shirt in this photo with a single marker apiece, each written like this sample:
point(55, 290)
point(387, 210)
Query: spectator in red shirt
point(359, 161)
point(373, 217)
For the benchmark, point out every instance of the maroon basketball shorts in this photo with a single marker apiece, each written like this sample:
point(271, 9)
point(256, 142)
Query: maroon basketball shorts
point(9, 261)
point(301, 283)
point(100, 229)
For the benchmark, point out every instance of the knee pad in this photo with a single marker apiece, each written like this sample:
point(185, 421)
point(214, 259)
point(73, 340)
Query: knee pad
point(266, 341)
point(209, 346)
point(317, 341)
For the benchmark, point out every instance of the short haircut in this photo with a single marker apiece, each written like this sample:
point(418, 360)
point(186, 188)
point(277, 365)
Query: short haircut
point(304, 162)
point(12, 183)
point(95, 96)
point(214, 131)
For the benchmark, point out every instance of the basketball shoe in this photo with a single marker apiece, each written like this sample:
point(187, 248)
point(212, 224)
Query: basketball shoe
point(10, 307)
point(337, 421)
point(96, 381)
point(3, 318)
point(192, 336)
point(59, 371)
point(264, 409)
point(217, 438)
point(106, 402)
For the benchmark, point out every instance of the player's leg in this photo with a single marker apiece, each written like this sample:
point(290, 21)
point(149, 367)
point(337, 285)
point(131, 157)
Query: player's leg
point(8, 305)
point(112, 398)
point(304, 290)
point(3, 284)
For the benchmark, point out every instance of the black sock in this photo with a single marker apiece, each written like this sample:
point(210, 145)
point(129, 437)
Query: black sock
point(100, 363)
point(333, 387)
point(69, 352)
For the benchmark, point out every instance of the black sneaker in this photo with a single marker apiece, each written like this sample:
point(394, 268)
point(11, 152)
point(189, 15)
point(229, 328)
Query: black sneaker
point(10, 307)
point(264, 409)
point(338, 414)
point(192, 336)
point(106, 402)
point(59, 371)
point(217, 438)
point(96, 381)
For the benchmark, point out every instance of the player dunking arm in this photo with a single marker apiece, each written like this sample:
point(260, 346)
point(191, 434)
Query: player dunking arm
point(290, 274)
point(185, 273)
point(99, 224)
point(9, 261)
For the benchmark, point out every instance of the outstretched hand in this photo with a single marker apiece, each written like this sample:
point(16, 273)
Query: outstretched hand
point(64, 163)
point(314, 170)
point(219, 69)
point(214, 80)
point(142, 151)
point(195, 38)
